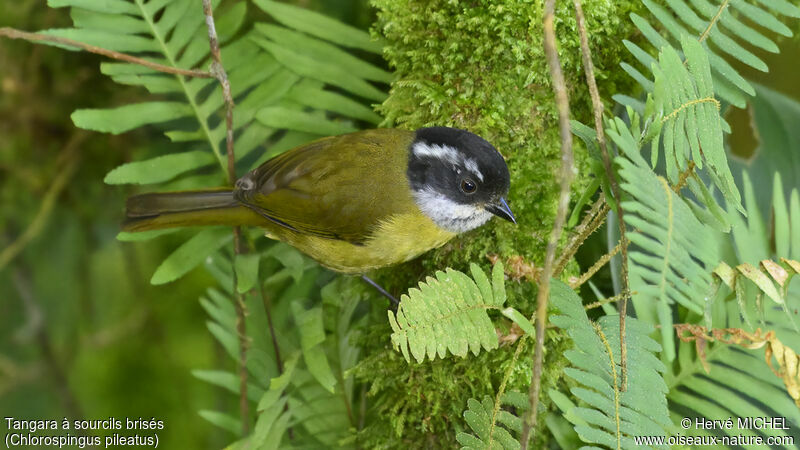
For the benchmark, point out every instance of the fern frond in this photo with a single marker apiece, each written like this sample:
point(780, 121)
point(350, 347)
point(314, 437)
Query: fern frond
point(448, 313)
point(738, 384)
point(608, 416)
point(674, 254)
point(714, 379)
point(717, 26)
point(761, 270)
point(323, 415)
point(273, 418)
point(493, 427)
point(691, 128)
point(173, 33)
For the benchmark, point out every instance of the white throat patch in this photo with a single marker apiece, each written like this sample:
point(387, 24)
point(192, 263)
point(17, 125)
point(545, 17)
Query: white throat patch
point(447, 214)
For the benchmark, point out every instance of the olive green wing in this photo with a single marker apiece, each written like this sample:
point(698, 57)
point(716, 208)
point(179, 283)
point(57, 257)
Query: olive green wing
point(338, 187)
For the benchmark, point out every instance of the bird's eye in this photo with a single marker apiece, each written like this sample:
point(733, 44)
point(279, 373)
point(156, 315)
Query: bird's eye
point(468, 186)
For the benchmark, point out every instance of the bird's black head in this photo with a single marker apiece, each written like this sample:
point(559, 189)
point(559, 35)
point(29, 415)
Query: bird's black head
point(458, 179)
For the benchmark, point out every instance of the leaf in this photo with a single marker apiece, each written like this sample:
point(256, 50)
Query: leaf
point(228, 381)
point(323, 52)
point(278, 117)
point(520, 320)
point(290, 258)
point(322, 415)
point(491, 430)
point(190, 254)
point(610, 416)
point(173, 33)
point(498, 284)
point(246, 266)
point(761, 280)
point(158, 169)
point(328, 73)
point(739, 382)
point(222, 420)
point(674, 253)
point(684, 102)
point(312, 335)
point(124, 236)
point(319, 25)
point(447, 314)
point(712, 21)
point(128, 117)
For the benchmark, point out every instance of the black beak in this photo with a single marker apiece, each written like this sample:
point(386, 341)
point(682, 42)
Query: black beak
point(501, 209)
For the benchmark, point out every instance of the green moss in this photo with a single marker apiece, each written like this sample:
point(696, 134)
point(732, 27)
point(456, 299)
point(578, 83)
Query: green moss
point(479, 65)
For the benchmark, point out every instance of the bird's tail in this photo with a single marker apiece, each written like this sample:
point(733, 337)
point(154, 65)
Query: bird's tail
point(155, 211)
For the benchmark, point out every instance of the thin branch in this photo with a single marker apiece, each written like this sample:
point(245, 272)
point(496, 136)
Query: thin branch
point(13, 33)
point(502, 389)
point(273, 336)
point(64, 173)
point(713, 21)
point(684, 177)
point(602, 302)
point(597, 106)
point(218, 71)
point(267, 302)
point(595, 267)
point(565, 179)
point(591, 222)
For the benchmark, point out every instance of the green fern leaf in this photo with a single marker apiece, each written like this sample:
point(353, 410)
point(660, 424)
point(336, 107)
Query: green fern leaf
point(607, 415)
point(684, 102)
point(717, 26)
point(222, 420)
point(674, 253)
point(448, 313)
point(273, 415)
point(320, 26)
point(228, 381)
point(739, 384)
point(756, 273)
point(493, 427)
point(322, 414)
point(312, 335)
point(190, 254)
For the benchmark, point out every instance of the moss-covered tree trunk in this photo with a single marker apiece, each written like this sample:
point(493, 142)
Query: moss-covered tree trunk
point(479, 65)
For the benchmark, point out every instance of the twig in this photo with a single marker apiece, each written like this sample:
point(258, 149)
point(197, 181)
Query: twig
point(597, 106)
point(565, 178)
point(595, 267)
point(71, 156)
point(268, 309)
point(602, 302)
point(590, 223)
point(37, 37)
point(684, 177)
point(502, 389)
point(218, 71)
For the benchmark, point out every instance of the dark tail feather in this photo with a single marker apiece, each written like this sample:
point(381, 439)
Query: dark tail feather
point(155, 211)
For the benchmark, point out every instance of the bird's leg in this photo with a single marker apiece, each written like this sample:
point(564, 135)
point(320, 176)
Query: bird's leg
point(380, 289)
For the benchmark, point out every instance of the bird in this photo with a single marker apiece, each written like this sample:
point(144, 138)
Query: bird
point(353, 202)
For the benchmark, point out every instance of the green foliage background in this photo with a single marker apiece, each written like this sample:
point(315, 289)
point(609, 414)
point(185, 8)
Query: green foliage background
point(83, 333)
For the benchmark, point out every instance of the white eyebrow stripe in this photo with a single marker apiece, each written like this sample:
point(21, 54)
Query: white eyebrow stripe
point(447, 153)
point(472, 166)
point(443, 152)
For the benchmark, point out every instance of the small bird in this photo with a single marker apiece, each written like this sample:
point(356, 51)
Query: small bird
point(354, 202)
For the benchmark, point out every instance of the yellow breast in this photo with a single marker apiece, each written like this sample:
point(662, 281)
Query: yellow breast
point(399, 239)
